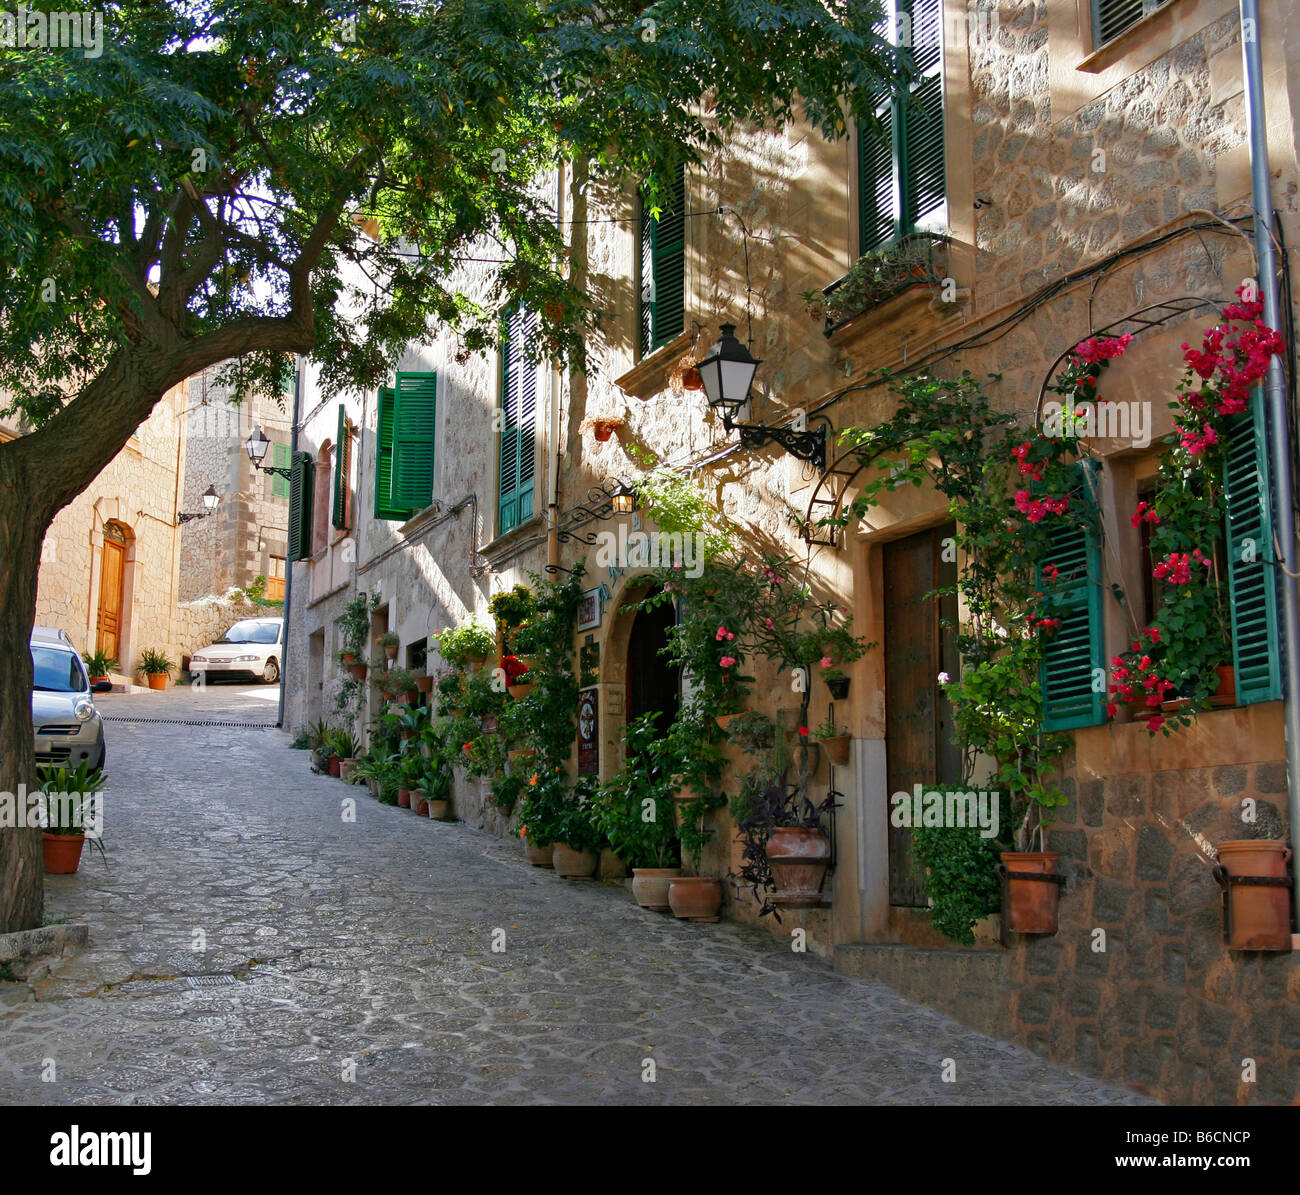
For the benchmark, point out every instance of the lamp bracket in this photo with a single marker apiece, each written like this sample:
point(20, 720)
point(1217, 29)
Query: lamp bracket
point(809, 445)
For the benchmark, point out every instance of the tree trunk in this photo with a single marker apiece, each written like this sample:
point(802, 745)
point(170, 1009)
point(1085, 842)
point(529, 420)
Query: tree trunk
point(22, 891)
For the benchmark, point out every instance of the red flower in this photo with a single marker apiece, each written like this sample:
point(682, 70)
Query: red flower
point(803, 731)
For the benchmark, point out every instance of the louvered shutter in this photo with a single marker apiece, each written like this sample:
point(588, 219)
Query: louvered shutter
point(280, 459)
point(921, 160)
point(1252, 576)
point(1111, 17)
point(385, 508)
point(300, 504)
point(518, 420)
point(342, 469)
point(877, 199)
point(414, 425)
point(1076, 649)
point(663, 269)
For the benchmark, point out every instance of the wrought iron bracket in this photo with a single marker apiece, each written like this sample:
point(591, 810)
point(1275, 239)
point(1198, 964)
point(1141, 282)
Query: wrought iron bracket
point(1005, 876)
point(808, 445)
point(598, 507)
point(278, 470)
point(1227, 881)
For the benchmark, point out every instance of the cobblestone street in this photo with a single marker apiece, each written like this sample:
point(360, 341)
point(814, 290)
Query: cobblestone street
point(334, 946)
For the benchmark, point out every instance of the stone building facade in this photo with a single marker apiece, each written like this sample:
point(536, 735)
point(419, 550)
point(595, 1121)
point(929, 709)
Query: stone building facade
point(1083, 183)
point(245, 538)
point(110, 566)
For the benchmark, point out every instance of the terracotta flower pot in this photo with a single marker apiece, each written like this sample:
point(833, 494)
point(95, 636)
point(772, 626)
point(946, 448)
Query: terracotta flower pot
point(798, 857)
point(724, 719)
point(346, 768)
point(691, 378)
point(1226, 693)
point(519, 692)
point(348, 657)
point(390, 651)
point(1259, 915)
point(574, 865)
point(419, 804)
point(157, 680)
point(62, 852)
point(336, 766)
point(602, 430)
point(440, 810)
point(97, 680)
point(358, 671)
point(650, 886)
point(1032, 906)
point(424, 684)
point(404, 798)
point(837, 749)
point(695, 898)
point(538, 856)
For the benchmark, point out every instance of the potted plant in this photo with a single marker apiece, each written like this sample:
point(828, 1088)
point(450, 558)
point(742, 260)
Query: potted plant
point(578, 840)
point(357, 668)
point(354, 627)
point(69, 809)
point(390, 642)
point(603, 426)
point(786, 854)
point(1257, 893)
point(836, 739)
point(513, 609)
point(400, 683)
point(694, 897)
point(837, 682)
point(437, 787)
point(156, 666)
point(318, 737)
point(98, 665)
point(519, 678)
point(464, 644)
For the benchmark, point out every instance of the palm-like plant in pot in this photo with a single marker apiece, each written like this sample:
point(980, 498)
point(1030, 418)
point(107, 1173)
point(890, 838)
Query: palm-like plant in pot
point(71, 814)
point(98, 665)
point(156, 666)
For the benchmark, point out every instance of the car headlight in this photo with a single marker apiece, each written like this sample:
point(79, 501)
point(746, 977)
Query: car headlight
point(83, 711)
point(198, 660)
point(242, 658)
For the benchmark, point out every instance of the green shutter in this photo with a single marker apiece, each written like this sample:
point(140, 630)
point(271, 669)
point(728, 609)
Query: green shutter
point(518, 420)
point(1111, 17)
point(342, 469)
point(385, 508)
point(414, 425)
point(1076, 649)
point(280, 459)
point(877, 202)
point(300, 504)
point(1252, 573)
point(663, 269)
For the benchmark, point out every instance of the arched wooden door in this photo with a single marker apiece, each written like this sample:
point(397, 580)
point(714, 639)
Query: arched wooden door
point(652, 682)
point(112, 572)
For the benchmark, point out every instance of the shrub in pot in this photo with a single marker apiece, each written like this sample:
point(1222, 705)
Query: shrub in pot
point(578, 841)
point(390, 643)
point(98, 665)
point(71, 815)
point(466, 643)
point(837, 741)
point(785, 852)
point(156, 666)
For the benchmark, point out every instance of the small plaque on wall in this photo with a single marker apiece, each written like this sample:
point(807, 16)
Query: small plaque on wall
point(588, 732)
point(589, 664)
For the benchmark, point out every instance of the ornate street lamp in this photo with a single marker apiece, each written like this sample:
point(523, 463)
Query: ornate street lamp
point(623, 499)
point(256, 446)
point(210, 501)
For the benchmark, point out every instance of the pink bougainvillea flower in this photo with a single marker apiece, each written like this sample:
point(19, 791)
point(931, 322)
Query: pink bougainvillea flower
point(726, 661)
point(825, 661)
point(722, 634)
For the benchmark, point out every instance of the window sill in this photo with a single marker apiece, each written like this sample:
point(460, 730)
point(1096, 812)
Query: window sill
point(650, 375)
point(507, 544)
point(883, 329)
point(1106, 56)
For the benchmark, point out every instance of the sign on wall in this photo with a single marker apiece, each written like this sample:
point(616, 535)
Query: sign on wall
point(588, 733)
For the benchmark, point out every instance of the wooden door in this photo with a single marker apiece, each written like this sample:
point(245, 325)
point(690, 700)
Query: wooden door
point(918, 720)
point(111, 572)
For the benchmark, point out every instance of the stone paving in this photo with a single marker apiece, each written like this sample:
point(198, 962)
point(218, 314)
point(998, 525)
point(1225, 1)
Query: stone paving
point(351, 962)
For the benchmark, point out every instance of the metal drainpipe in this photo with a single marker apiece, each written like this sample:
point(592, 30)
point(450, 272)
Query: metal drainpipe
point(553, 416)
point(1275, 389)
point(288, 564)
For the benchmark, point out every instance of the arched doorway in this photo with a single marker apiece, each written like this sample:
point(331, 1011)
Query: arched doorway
point(652, 682)
point(112, 585)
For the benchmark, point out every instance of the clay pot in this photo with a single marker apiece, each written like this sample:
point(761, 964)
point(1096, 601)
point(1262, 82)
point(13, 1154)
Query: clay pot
point(440, 810)
point(1032, 906)
point(1259, 916)
point(1226, 693)
point(348, 657)
point(336, 766)
point(519, 692)
point(419, 806)
point(358, 671)
point(424, 684)
point(538, 856)
point(691, 378)
point(404, 798)
point(390, 651)
point(573, 865)
point(98, 680)
point(346, 768)
point(157, 680)
point(723, 719)
point(602, 430)
point(62, 852)
point(837, 749)
point(695, 898)
point(798, 858)
point(650, 886)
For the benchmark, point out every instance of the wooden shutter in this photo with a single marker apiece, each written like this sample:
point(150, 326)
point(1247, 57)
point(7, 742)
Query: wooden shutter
point(518, 420)
point(1076, 649)
point(921, 160)
point(300, 504)
point(385, 507)
point(280, 459)
point(663, 269)
point(877, 201)
point(1111, 17)
point(342, 469)
point(1252, 573)
point(414, 425)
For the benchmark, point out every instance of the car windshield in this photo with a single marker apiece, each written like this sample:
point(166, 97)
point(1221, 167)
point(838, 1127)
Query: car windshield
point(252, 631)
point(55, 671)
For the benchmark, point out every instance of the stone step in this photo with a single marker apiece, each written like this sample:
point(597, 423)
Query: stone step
point(971, 986)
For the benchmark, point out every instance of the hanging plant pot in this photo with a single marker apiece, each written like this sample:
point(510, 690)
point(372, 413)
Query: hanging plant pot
point(390, 651)
point(519, 692)
point(1030, 905)
point(798, 857)
point(839, 687)
point(358, 671)
point(348, 657)
point(62, 853)
point(424, 684)
point(1256, 887)
point(723, 720)
point(650, 886)
point(837, 749)
point(695, 898)
point(538, 856)
point(603, 429)
point(573, 865)
point(691, 378)
point(410, 696)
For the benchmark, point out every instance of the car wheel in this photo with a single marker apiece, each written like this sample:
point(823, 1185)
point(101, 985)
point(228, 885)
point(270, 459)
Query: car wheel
point(271, 673)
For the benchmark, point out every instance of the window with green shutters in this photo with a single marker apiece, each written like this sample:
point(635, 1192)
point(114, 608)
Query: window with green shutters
point(518, 420)
point(301, 492)
point(1074, 656)
point(901, 173)
point(342, 471)
point(280, 459)
point(663, 269)
point(1253, 576)
point(404, 449)
point(1111, 17)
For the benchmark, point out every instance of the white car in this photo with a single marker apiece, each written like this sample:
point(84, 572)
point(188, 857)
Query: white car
point(253, 647)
